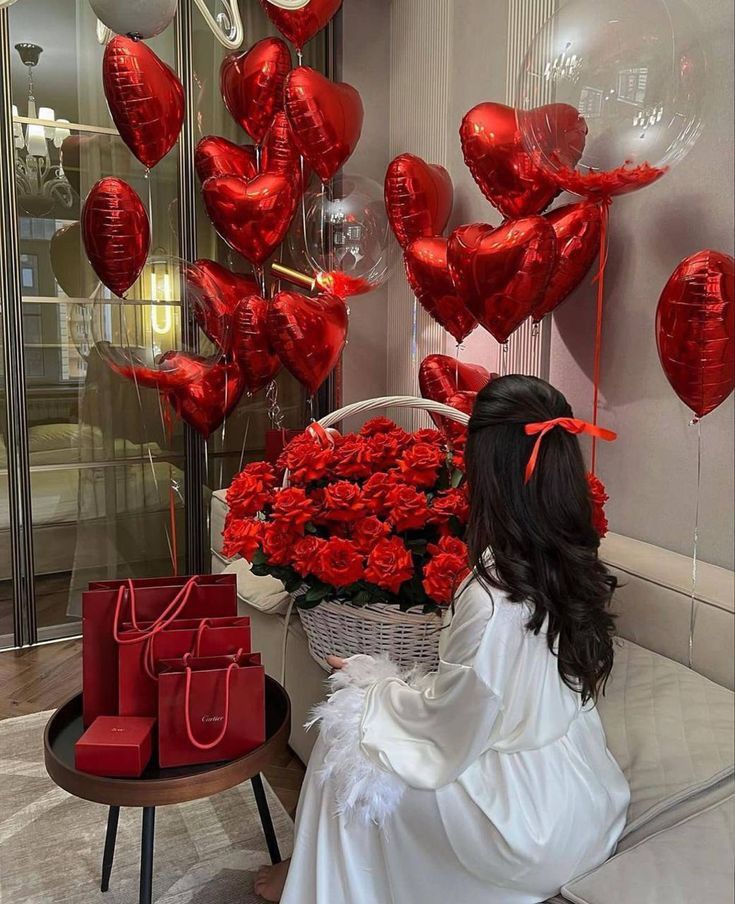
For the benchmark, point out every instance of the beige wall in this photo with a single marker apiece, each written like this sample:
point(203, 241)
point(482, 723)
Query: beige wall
point(650, 472)
point(434, 59)
point(364, 64)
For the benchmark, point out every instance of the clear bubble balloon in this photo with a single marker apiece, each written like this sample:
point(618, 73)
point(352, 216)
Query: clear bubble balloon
point(344, 235)
point(139, 338)
point(633, 72)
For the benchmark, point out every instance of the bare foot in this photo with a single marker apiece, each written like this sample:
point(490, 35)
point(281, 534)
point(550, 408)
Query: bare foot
point(271, 880)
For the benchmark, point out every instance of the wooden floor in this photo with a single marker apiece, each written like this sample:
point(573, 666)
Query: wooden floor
point(41, 678)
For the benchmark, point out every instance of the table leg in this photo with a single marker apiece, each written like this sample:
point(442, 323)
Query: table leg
point(146, 855)
point(265, 819)
point(110, 838)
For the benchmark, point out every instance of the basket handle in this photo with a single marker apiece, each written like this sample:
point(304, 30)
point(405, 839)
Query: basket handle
point(396, 402)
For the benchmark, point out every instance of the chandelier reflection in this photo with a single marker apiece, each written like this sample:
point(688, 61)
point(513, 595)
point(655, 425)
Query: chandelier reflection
point(40, 183)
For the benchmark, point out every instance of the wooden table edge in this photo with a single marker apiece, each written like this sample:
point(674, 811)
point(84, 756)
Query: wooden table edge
point(118, 792)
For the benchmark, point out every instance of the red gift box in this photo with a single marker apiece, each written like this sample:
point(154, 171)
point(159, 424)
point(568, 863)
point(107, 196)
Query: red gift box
point(210, 709)
point(116, 746)
point(137, 662)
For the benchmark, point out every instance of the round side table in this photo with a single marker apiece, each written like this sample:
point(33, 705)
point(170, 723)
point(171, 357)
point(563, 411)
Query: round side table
point(159, 787)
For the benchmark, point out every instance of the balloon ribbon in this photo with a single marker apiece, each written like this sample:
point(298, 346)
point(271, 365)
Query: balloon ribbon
point(605, 203)
point(695, 551)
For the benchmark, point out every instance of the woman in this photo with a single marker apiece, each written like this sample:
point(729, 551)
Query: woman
point(489, 780)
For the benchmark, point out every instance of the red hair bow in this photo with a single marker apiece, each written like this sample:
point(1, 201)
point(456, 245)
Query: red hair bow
point(571, 425)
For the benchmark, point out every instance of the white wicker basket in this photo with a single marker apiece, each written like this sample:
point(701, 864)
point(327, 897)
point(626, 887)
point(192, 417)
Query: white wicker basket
point(342, 629)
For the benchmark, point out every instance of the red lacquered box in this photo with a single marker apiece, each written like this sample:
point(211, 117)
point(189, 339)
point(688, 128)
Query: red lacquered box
point(116, 746)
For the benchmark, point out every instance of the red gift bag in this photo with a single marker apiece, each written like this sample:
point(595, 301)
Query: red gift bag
point(137, 662)
point(210, 709)
point(109, 604)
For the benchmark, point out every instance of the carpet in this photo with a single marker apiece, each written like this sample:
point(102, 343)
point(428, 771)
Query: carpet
point(51, 844)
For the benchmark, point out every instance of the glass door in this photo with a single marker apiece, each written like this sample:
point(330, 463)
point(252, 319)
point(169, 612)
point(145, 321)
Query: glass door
point(106, 476)
point(97, 479)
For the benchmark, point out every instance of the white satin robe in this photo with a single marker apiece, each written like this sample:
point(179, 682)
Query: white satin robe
point(485, 782)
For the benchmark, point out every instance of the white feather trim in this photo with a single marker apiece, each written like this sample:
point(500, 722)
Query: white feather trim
point(362, 788)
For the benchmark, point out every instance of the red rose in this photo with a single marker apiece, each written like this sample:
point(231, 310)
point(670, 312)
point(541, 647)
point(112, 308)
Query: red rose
point(384, 449)
point(427, 435)
point(251, 489)
point(278, 544)
point(399, 436)
point(353, 457)
point(241, 536)
point(343, 502)
point(367, 532)
point(376, 490)
point(306, 459)
point(390, 564)
point(420, 464)
point(338, 563)
point(306, 554)
point(457, 453)
point(453, 545)
point(450, 503)
point(442, 575)
point(292, 508)
point(407, 507)
point(598, 498)
point(377, 425)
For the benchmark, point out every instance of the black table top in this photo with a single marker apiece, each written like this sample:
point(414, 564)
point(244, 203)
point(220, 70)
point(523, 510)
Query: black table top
point(160, 786)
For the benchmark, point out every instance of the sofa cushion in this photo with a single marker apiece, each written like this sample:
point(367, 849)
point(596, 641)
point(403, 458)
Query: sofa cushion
point(653, 605)
point(671, 731)
point(218, 511)
point(263, 593)
point(690, 861)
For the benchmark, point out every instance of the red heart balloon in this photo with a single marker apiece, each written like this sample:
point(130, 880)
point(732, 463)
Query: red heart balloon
point(145, 98)
point(251, 84)
point(428, 275)
point(577, 231)
point(494, 153)
point(464, 400)
point(215, 295)
point(695, 330)
point(502, 273)
point(300, 25)
point(280, 154)
point(215, 156)
point(209, 393)
point(116, 233)
point(251, 343)
point(308, 334)
point(326, 119)
point(418, 198)
point(442, 377)
point(252, 216)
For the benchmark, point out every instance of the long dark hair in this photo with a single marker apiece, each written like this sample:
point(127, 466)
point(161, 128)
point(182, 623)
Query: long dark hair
point(540, 536)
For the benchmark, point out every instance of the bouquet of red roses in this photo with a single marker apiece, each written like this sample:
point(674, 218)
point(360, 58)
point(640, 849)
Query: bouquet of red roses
point(373, 517)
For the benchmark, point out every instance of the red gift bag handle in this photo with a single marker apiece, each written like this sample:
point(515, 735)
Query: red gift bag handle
point(169, 614)
point(149, 663)
point(187, 706)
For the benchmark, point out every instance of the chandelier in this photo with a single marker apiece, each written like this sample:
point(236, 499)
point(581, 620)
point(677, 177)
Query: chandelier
point(40, 184)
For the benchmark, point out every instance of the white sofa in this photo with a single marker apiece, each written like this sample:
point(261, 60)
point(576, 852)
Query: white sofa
point(670, 727)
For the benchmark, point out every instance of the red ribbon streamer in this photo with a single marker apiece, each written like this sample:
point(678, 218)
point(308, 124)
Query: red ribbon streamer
point(571, 425)
point(605, 203)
